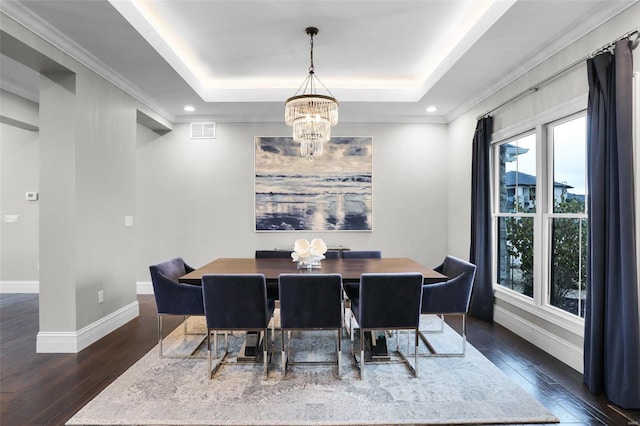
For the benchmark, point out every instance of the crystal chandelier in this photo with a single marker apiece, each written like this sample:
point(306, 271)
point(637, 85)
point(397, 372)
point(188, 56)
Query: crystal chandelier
point(311, 115)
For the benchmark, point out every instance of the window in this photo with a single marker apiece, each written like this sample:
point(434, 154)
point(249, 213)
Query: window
point(568, 221)
point(540, 215)
point(516, 185)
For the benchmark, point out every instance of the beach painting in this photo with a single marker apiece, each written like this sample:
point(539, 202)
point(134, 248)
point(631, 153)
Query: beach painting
point(329, 193)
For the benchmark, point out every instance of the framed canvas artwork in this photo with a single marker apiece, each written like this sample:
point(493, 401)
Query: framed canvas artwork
point(331, 192)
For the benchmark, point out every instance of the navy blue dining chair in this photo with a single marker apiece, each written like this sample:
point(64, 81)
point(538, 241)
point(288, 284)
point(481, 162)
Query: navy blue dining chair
point(273, 254)
point(351, 288)
point(388, 301)
point(236, 302)
point(361, 254)
point(175, 298)
point(332, 254)
point(310, 302)
point(450, 297)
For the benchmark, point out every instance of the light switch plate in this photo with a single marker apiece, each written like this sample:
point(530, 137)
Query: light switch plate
point(128, 221)
point(11, 218)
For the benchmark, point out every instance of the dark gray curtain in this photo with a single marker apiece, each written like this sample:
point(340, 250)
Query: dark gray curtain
point(612, 334)
point(482, 297)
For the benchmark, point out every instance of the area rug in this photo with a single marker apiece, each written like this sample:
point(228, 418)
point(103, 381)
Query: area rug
point(466, 390)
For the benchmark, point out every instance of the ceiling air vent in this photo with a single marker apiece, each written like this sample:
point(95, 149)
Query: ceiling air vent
point(203, 130)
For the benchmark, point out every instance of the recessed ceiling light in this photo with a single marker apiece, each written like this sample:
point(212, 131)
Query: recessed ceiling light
point(189, 108)
point(431, 109)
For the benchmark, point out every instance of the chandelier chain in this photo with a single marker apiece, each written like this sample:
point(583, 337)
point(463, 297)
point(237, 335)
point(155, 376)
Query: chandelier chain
point(311, 67)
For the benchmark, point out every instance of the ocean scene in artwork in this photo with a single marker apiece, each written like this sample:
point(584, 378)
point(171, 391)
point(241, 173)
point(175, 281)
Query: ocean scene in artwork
point(331, 192)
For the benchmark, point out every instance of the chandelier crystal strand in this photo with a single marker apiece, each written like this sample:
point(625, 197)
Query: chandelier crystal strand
point(311, 115)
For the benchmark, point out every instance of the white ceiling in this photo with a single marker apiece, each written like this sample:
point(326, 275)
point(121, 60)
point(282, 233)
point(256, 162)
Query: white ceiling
point(238, 60)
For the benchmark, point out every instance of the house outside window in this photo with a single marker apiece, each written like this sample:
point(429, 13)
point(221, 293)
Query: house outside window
point(540, 215)
point(567, 223)
point(515, 212)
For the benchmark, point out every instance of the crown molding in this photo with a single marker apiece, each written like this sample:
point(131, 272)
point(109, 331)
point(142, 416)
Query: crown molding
point(32, 22)
point(20, 91)
point(588, 25)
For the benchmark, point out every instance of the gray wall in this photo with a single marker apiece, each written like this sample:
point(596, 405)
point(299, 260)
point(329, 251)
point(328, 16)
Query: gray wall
point(19, 163)
point(87, 185)
point(196, 198)
point(83, 160)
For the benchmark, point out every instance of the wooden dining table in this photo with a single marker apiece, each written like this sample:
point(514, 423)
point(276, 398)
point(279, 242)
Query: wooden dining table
point(350, 269)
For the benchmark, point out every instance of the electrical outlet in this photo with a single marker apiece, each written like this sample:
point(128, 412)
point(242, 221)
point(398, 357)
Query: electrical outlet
point(101, 296)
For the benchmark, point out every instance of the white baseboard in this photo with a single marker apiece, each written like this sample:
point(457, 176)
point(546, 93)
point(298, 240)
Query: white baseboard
point(561, 349)
point(144, 287)
point(19, 286)
point(75, 341)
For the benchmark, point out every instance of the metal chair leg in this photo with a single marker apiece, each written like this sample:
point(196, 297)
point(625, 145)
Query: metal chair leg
point(161, 340)
point(273, 333)
point(283, 365)
point(264, 354)
point(464, 334)
point(434, 352)
point(351, 332)
point(218, 361)
point(415, 353)
point(361, 353)
point(209, 351)
point(339, 346)
point(414, 367)
point(160, 334)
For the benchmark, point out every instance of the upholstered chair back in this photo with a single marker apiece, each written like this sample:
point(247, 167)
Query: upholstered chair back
point(332, 254)
point(389, 301)
point(310, 301)
point(236, 301)
point(273, 254)
point(361, 254)
point(173, 297)
point(454, 295)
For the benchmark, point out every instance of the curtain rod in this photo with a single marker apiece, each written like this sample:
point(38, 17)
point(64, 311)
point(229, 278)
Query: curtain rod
point(536, 87)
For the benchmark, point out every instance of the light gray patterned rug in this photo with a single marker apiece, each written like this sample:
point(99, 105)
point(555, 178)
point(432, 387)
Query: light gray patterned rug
point(468, 390)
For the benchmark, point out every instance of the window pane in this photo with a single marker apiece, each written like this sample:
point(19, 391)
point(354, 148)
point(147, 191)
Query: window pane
point(569, 264)
point(515, 254)
point(518, 175)
point(569, 166)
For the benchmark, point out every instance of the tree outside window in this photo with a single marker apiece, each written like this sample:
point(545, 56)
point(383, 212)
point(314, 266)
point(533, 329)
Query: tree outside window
point(561, 203)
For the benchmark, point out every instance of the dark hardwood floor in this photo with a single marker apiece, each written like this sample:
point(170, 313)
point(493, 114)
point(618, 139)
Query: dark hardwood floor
point(48, 389)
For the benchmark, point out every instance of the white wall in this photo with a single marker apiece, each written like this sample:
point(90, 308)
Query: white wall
point(195, 198)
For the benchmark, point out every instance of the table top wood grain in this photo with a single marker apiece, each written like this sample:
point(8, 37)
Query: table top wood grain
point(350, 269)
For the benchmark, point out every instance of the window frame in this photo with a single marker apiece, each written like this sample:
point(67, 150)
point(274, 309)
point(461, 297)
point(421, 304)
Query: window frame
point(497, 214)
point(548, 214)
point(541, 124)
